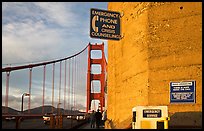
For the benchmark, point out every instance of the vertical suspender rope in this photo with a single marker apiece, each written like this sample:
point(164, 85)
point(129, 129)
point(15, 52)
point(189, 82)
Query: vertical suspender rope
point(83, 76)
point(74, 86)
point(75, 89)
point(7, 91)
point(79, 73)
point(84, 69)
point(30, 81)
point(78, 78)
point(65, 66)
point(72, 83)
point(60, 82)
point(69, 85)
point(43, 102)
point(53, 80)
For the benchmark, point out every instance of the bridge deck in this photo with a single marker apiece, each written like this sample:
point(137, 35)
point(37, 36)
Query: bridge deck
point(88, 126)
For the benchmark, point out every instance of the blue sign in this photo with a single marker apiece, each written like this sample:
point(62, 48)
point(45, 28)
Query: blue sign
point(182, 92)
point(105, 24)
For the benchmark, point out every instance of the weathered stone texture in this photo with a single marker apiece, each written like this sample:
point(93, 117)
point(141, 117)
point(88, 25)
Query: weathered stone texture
point(162, 42)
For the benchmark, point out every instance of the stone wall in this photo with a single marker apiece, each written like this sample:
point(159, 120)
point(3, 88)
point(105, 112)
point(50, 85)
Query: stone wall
point(161, 42)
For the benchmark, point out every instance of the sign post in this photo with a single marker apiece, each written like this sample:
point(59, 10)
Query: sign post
point(182, 92)
point(105, 24)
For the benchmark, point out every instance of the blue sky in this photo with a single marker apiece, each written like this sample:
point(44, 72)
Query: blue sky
point(42, 31)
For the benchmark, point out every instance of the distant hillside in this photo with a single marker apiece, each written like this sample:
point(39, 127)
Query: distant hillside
point(37, 110)
point(10, 110)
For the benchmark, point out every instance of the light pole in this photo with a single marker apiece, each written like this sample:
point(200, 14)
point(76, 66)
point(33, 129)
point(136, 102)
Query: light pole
point(72, 110)
point(58, 115)
point(24, 94)
point(71, 116)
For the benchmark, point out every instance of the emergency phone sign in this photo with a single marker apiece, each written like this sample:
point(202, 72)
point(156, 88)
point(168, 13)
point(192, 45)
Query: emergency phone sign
point(105, 24)
point(182, 92)
point(152, 113)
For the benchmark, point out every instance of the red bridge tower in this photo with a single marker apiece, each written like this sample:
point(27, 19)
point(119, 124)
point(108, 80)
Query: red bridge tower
point(101, 77)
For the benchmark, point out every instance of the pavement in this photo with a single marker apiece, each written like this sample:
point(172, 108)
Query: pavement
point(88, 126)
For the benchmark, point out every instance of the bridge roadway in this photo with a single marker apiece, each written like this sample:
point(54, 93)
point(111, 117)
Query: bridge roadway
point(37, 123)
point(88, 126)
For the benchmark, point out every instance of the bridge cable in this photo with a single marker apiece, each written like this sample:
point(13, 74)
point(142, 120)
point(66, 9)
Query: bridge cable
point(69, 81)
point(75, 82)
point(44, 74)
point(53, 80)
point(59, 99)
point(65, 72)
point(72, 83)
point(30, 83)
point(74, 87)
point(7, 69)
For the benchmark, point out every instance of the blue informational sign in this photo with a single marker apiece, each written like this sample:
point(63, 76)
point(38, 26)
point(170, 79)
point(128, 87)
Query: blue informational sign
point(105, 24)
point(182, 92)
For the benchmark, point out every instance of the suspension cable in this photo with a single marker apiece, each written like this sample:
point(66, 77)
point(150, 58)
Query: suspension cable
point(43, 102)
point(75, 89)
point(69, 77)
point(60, 82)
point(72, 83)
point(7, 69)
point(65, 85)
point(53, 80)
point(30, 81)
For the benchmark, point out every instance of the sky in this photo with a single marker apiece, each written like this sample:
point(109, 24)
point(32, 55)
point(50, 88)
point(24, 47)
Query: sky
point(34, 32)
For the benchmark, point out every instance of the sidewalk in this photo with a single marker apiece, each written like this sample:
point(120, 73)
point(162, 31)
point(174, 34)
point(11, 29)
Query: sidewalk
point(88, 126)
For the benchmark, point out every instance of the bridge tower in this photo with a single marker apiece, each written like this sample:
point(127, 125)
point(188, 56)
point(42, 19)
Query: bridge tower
point(101, 77)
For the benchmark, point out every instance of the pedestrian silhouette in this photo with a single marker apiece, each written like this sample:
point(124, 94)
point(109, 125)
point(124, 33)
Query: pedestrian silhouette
point(93, 119)
point(98, 116)
point(104, 117)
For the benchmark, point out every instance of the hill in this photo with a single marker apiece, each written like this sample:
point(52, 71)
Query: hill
point(38, 110)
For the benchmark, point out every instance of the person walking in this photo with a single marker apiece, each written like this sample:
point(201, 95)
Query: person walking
point(93, 119)
point(104, 117)
point(98, 116)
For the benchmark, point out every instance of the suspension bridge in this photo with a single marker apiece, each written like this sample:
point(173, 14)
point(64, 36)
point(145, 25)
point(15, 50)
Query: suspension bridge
point(69, 84)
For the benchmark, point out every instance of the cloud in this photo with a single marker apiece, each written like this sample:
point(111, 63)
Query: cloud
point(56, 13)
point(59, 13)
point(37, 31)
point(32, 42)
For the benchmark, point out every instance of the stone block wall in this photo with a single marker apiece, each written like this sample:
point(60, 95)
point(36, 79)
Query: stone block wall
point(161, 42)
